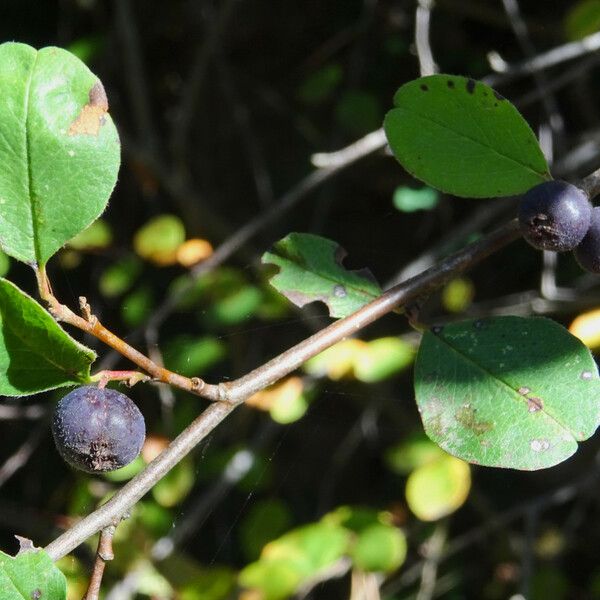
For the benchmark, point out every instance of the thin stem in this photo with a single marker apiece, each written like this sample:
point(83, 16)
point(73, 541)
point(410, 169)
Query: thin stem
point(104, 553)
point(90, 324)
point(237, 391)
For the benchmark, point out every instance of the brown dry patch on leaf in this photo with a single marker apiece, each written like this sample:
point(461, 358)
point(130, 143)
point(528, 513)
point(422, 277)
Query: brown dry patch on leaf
point(93, 114)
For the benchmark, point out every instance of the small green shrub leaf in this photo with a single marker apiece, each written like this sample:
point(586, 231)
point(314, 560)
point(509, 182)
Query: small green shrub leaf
point(438, 488)
point(31, 575)
point(311, 270)
point(59, 150)
point(507, 391)
point(463, 138)
point(35, 353)
point(380, 548)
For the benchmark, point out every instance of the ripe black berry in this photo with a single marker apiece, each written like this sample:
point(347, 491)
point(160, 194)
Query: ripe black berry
point(554, 215)
point(98, 429)
point(588, 252)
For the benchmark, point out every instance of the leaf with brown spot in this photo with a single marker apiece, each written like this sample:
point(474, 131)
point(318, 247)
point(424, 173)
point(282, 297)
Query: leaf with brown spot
point(310, 270)
point(507, 391)
point(93, 114)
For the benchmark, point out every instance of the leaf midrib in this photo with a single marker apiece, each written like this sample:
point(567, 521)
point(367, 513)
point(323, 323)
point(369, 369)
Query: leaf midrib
point(33, 206)
point(474, 141)
point(513, 392)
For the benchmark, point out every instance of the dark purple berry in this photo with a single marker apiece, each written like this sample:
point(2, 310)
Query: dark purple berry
point(98, 429)
point(588, 252)
point(554, 215)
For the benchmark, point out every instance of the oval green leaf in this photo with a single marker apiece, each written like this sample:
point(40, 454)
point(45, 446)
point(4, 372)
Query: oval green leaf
point(59, 150)
point(507, 392)
point(462, 137)
point(36, 354)
point(439, 488)
point(379, 548)
point(31, 574)
point(311, 270)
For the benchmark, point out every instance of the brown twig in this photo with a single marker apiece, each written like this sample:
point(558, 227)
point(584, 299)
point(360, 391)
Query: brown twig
point(237, 391)
point(90, 324)
point(104, 553)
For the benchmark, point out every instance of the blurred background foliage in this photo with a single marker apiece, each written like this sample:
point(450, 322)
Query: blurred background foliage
point(323, 486)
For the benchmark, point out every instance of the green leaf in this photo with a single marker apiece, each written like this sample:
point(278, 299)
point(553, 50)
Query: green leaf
point(97, 235)
point(410, 200)
point(192, 355)
point(463, 138)
point(438, 488)
point(265, 520)
point(583, 19)
point(120, 276)
point(310, 271)
point(159, 239)
point(59, 150)
point(507, 392)
point(35, 353)
point(176, 485)
point(379, 548)
point(417, 451)
point(295, 557)
point(31, 575)
point(382, 358)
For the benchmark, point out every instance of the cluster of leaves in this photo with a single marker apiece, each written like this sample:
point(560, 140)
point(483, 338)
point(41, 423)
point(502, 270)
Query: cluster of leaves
point(480, 395)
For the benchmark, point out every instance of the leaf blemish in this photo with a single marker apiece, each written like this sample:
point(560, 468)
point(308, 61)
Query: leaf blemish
point(450, 84)
point(36, 594)
point(539, 445)
point(466, 416)
point(339, 291)
point(470, 85)
point(523, 390)
point(424, 87)
point(534, 404)
point(93, 115)
point(587, 375)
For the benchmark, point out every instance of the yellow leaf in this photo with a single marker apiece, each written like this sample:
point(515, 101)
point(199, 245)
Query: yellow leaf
point(438, 488)
point(193, 251)
point(587, 328)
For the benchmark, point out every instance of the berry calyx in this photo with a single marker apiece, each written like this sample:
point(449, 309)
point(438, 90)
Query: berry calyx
point(555, 216)
point(98, 429)
point(587, 253)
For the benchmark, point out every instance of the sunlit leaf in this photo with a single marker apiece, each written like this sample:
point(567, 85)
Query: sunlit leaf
point(285, 400)
point(409, 200)
point(311, 270)
point(438, 488)
point(159, 239)
point(463, 138)
point(31, 575)
point(36, 354)
point(59, 150)
point(507, 391)
point(379, 359)
point(379, 548)
point(458, 294)
point(97, 235)
point(586, 327)
point(193, 251)
point(416, 451)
